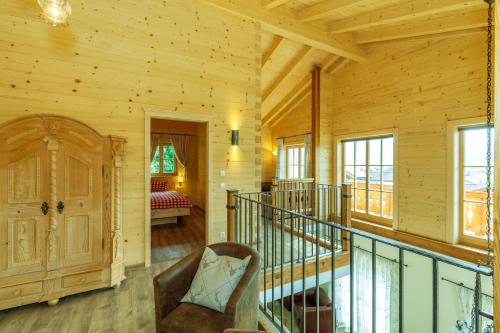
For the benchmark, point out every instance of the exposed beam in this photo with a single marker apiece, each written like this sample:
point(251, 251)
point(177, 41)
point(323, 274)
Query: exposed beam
point(450, 34)
point(287, 70)
point(431, 26)
point(269, 52)
point(303, 84)
point(339, 65)
point(327, 63)
point(270, 4)
point(284, 23)
point(324, 9)
point(290, 106)
point(401, 13)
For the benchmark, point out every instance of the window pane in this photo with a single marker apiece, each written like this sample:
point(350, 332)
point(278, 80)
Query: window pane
point(474, 179)
point(374, 178)
point(360, 177)
point(168, 166)
point(475, 147)
point(374, 203)
point(360, 152)
point(349, 175)
point(387, 204)
point(360, 201)
point(387, 178)
point(349, 153)
point(387, 151)
point(374, 152)
point(155, 164)
point(295, 171)
point(290, 171)
point(290, 156)
point(475, 219)
point(168, 152)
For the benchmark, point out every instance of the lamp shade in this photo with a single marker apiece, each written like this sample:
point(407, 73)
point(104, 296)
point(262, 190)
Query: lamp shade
point(235, 137)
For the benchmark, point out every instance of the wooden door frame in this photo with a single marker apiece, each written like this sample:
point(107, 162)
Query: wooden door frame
point(177, 116)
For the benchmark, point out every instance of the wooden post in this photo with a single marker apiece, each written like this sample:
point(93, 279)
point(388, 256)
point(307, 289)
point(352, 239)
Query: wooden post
point(346, 214)
point(315, 121)
point(231, 213)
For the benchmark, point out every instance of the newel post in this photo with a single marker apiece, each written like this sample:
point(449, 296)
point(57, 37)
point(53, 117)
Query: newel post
point(346, 213)
point(232, 206)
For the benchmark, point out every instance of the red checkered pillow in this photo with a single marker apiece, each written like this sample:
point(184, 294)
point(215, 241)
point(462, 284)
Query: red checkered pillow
point(158, 186)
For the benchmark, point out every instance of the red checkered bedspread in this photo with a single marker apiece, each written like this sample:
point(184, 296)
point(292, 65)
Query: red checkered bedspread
point(169, 199)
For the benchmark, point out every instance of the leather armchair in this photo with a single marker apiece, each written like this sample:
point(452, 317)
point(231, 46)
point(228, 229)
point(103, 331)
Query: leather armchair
point(326, 313)
point(172, 316)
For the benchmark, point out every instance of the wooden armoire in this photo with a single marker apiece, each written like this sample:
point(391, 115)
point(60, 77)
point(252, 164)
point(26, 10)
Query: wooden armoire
point(60, 210)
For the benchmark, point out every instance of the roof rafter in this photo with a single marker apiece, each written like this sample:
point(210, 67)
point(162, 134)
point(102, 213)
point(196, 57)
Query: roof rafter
point(293, 103)
point(324, 9)
point(431, 26)
point(269, 52)
point(341, 63)
point(270, 4)
point(287, 70)
point(400, 13)
point(303, 84)
point(284, 23)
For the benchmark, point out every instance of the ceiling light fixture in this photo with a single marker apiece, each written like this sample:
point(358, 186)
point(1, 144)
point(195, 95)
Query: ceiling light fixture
point(56, 12)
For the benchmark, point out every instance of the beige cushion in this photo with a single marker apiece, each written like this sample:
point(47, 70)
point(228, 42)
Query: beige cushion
point(215, 280)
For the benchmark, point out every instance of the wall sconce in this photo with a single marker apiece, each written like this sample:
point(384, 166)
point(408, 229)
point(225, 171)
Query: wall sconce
point(55, 12)
point(235, 137)
point(180, 180)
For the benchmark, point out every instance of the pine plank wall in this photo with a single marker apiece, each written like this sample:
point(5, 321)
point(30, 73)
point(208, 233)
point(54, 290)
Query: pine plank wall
point(119, 58)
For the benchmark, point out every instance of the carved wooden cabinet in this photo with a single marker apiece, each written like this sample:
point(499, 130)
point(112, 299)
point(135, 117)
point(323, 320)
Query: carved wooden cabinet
point(60, 210)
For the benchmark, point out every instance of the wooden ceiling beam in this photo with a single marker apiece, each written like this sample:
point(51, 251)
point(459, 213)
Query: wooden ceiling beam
point(293, 104)
point(324, 9)
point(269, 52)
point(303, 84)
point(341, 63)
point(271, 4)
point(283, 22)
point(401, 13)
point(328, 62)
point(431, 26)
point(287, 70)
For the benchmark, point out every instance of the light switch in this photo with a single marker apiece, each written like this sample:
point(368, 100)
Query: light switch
point(222, 186)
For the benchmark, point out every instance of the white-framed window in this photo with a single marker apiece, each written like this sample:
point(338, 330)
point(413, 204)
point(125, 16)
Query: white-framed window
point(295, 159)
point(472, 177)
point(367, 163)
point(164, 162)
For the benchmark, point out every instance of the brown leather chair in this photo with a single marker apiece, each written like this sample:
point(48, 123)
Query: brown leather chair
point(324, 308)
point(172, 316)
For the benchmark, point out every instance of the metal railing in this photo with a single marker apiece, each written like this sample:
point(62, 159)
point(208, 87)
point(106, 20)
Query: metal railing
point(305, 242)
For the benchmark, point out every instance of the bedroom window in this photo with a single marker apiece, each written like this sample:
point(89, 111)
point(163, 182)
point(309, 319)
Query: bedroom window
point(368, 165)
point(472, 184)
point(166, 165)
point(295, 156)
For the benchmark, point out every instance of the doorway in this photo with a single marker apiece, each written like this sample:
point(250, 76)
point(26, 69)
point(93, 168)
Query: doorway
point(177, 202)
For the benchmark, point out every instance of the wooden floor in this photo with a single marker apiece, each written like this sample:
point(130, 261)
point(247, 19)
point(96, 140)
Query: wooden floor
point(175, 241)
point(127, 309)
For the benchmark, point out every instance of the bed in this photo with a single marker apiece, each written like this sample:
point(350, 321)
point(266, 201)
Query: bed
point(167, 206)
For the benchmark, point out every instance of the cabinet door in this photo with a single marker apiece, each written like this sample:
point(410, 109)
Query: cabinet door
point(81, 194)
point(23, 225)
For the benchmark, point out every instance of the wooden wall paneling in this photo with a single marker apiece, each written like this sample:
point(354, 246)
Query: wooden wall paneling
point(400, 13)
point(430, 26)
point(286, 71)
point(290, 106)
point(118, 57)
point(417, 96)
point(271, 4)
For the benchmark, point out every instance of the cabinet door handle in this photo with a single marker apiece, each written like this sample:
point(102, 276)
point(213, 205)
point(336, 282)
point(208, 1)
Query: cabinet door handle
point(45, 208)
point(60, 207)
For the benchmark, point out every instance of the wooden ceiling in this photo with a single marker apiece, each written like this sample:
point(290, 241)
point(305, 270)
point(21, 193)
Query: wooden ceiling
point(299, 34)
